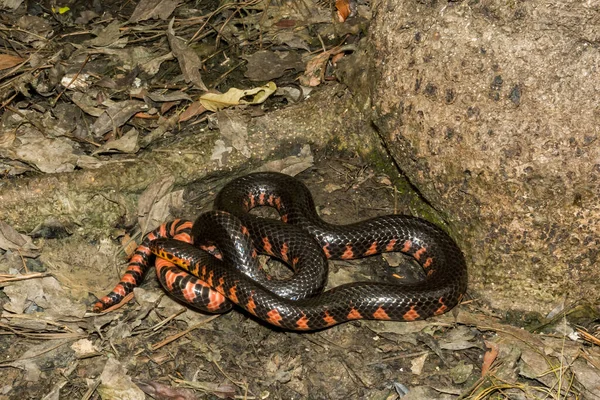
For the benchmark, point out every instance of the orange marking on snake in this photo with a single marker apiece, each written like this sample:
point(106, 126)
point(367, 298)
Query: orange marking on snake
point(209, 280)
point(186, 225)
point(216, 299)
point(252, 202)
point(254, 253)
point(233, 295)
point(442, 309)
point(348, 253)
point(428, 262)
point(173, 227)
point(136, 258)
point(391, 245)
point(270, 201)
point(406, 247)
point(251, 305)
point(221, 284)
point(419, 253)
point(381, 314)
point(411, 314)
point(295, 261)
point(267, 245)
point(326, 251)
point(188, 292)
point(284, 250)
point(195, 270)
point(261, 199)
point(430, 272)
point(274, 317)
point(302, 323)
point(329, 319)
point(183, 237)
point(372, 249)
point(128, 278)
point(278, 203)
point(119, 289)
point(134, 268)
point(354, 314)
point(245, 231)
point(284, 218)
point(162, 230)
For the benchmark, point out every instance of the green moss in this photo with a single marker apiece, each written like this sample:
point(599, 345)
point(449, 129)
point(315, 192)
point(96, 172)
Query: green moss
point(381, 162)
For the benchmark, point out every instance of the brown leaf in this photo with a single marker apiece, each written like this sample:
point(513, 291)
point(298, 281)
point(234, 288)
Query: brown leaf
point(7, 61)
point(315, 70)
point(128, 143)
point(265, 65)
point(129, 245)
point(489, 357)
point(156, 202)
point(161, 391)
point(196, 108)
point(343, 9)
point(147, 9)
point(189, 62)
point(117, 115)
point(10, 239)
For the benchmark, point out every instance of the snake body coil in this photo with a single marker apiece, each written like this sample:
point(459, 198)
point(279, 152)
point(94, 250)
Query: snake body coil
point(303, 241)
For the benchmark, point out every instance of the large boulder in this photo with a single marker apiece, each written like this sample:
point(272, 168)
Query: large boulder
point(492, 109)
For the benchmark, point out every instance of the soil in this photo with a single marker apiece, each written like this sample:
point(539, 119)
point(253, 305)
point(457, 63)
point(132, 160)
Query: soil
point(53, 269)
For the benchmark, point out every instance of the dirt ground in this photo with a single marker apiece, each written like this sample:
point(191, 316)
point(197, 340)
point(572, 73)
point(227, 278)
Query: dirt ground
point(52, 347)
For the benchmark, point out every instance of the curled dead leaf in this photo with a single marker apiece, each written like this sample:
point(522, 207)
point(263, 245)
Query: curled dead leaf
point(234, 96)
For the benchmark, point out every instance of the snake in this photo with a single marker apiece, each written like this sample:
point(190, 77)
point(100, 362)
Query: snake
point(212, 263)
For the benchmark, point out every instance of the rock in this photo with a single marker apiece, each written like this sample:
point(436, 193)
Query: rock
point(492, 110)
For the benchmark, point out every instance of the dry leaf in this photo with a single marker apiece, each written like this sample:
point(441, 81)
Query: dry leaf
point(108, 36)
point(170, 96)
point(315, 69)
point(189, 62)
point(265, 65)
point(156, 202)
point(233, 97)
point(128, 143)
point(10, 5)
point(148, 9)
point(10, 239)
point(129, 245)
point(161, 391)
point(117, 115)
point(234, 127)
point(343, 9)
point(194, 109)
point(7, 61)
point(219, 150)
point(489, 357)
point(116, 384)
point(291, 165)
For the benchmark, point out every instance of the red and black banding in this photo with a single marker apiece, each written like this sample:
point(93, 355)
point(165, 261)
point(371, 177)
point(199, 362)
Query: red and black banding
point(210, 284)
point(139, 261)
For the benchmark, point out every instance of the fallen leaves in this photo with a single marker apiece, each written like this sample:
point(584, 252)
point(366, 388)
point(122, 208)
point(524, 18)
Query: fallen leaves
point(189, 62)
point(8, 61)
point(234, 97)
point(10, 239)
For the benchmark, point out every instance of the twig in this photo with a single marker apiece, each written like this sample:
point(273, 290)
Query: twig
point(170, 339)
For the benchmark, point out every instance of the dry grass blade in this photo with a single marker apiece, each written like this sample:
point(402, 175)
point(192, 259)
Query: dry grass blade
point(5, 278)
point(55, 330)
point(172, 338)
point(588, 337)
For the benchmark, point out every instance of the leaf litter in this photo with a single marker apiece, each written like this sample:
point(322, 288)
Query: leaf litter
point(94, 84)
